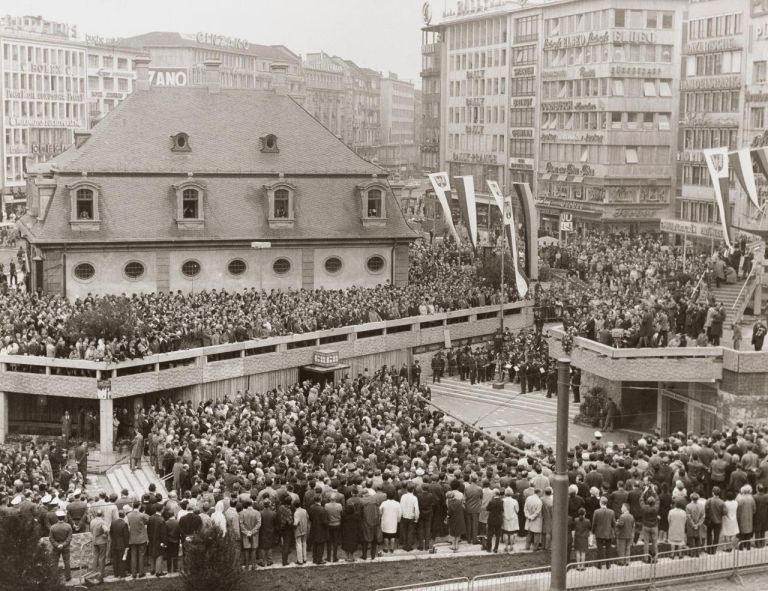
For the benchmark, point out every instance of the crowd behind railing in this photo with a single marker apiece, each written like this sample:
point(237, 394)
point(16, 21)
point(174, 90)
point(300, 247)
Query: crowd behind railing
point(368, 466)
point(638, 292)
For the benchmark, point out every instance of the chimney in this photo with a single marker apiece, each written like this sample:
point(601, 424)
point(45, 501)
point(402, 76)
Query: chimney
point(213, 75)
point(279, 78)
point(81, 137)
point(141, 65)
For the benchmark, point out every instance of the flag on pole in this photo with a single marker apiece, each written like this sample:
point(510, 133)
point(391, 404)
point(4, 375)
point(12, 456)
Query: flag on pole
point(441, 185)
point(717, 163)
point(510, 230)
point(497, 195)
point(760, 158)
point(467, 203)
point(741, 161)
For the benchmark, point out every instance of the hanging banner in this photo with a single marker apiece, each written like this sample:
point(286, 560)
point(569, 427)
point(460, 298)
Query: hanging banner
point(741, 161)
point(497, 195)
point(760, 158)
point(441, 185)
point(510, 230)
point(717, 163)
point(467, 204)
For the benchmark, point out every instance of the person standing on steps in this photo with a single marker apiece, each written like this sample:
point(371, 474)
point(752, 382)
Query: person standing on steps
point(137, 450)
point(759, 331)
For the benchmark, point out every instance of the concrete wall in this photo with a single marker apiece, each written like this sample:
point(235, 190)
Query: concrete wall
point(354, 270)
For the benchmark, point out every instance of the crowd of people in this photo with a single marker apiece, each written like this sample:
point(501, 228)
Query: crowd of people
point(637, 292)
point(39, 324)
point(359, 469)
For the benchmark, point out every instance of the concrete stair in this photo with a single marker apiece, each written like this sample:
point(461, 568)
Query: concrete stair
point(728, 294)
point(136, 481)
point(510, 397)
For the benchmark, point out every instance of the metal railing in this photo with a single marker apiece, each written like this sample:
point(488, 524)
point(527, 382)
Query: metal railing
point(638, 571)
point(738, 307)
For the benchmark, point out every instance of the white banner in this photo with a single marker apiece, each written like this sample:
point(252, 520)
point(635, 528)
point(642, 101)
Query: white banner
point(717, 163)
point(497, 195)
point(470, 206)
point(511, 228)
point(442, 185)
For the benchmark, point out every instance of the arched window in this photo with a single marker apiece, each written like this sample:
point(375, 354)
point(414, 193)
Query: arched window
point(190, 206)
point(373, 202)
point(84, 204)
point(281, 197)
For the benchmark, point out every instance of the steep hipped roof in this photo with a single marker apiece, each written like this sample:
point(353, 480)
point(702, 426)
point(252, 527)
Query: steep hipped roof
point(224, 130)
point(175, 39)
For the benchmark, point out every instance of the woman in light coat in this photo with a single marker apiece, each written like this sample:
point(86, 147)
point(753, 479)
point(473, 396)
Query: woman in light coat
point(533, 520)
point(677, 518)
point(510, 525)
point(730, 527)
point(745, 514)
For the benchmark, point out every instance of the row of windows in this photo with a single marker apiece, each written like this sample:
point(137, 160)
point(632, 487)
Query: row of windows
point(526, 29)
point(108, 62)
point(478, 33)
point(605, 154)
point(713, 64)
point(695, 211)
point(478, 87)
point(135, 270)
point(476, 115)
point(491, 58)
point(703, 138)
point(608, 53)
point(123, 84)
point(601, 19)
point(521, 117)
point(713, 101)
point(475, 143)
point(521, 148)
point(626, 87)
point(607, 120)
point(42, 55)
point(44, 109)
point(698, 174)
point(43, 82)
point(724, 25)
point(525, 54)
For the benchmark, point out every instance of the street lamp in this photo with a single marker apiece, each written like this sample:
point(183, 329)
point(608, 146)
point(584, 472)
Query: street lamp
point(260, 246)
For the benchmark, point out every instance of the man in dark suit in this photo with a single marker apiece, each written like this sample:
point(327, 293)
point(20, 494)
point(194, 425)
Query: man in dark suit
point(60, 537)
point(137, 529)
point(473, 499)
point(318, 530)
point(603, 528)
point(119, 537)
point(81, 457)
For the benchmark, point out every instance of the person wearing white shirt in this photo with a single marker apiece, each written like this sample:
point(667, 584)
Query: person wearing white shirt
point(220, 521)
point(390, 514)
point(409, 507)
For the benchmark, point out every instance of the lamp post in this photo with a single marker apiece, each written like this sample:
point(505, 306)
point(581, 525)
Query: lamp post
point(260, 246)
point(559, 482)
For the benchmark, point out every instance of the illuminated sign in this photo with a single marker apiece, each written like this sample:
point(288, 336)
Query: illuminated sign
point(48, 148)
point(469, 157)
point(99, 41)
point(579, 138)
point(521, 132)
point(634, 72)
point(684, 227)
point(711, 45)
point(580, 40)
point(221, 41)
point(526, 71)
point(471, 74)
point(522, 103)
point(585, 170)
point(557, 106)
point(711, 83)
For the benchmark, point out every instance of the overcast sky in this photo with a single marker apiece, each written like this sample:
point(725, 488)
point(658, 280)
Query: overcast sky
point(380, 34)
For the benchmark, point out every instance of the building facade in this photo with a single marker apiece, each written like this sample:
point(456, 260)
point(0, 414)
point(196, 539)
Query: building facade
point(724, 99)
point(397, 110)
point(362, 122)
point(178, 60)
point(254, 193)
point(44, 97)
point(432, 58)
point(324, 82)
point(110, 75)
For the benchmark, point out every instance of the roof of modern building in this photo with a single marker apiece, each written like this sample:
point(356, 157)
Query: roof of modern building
point(129, 157)
point(175, 39)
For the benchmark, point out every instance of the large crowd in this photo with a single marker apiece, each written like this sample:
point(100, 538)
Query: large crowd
point(637, 292)
point(359, 469)
point(40, 324)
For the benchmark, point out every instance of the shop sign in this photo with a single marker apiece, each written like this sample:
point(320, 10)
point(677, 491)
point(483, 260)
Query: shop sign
point(54, 69)
point(526, 71)
point(48, 148)
point(579, 106)
point(474, 129)
point(581, 40)
point(554, 74)
point(477, 158)
point(521, 163)
point(634, 212)
point(635, 72)
point(674, 226)
point(580, 138)
point(635, 37)
point(556, 106)
point(584, 170)
point(476, 101)
point(711, 83)
point(221, 41)
point(756, 97)
point(521, 132)
point(33, 122)
point(472, 74)
point(99, 41)
point(587, 72)
point(522, 103)
point(42, 96)
point(572, 205)
point(690, 156)
point(711, 45)
point(168, 77)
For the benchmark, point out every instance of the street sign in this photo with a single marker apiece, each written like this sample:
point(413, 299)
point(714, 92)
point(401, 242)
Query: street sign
point(261, 244)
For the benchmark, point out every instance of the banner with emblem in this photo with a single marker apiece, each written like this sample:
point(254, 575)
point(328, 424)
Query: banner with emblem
point(510, 230)
point(467, 203)
point(717, 164)
point(442, 187)
point(497, 195)
point(741, 161)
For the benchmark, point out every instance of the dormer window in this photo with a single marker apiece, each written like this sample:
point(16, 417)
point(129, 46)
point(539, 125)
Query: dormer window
point(180, 143)
point(84, 201)
point(280, 201)
point(373, 203)
point(190, 201)
point(269, 143)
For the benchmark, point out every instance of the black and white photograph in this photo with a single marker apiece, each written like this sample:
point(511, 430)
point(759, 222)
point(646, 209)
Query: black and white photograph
point(383, 295)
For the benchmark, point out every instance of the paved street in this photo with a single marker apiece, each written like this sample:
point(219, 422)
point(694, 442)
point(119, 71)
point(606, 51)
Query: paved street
point(508, 411)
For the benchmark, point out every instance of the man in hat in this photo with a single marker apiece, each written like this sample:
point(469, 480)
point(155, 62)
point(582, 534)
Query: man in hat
point(60, 538)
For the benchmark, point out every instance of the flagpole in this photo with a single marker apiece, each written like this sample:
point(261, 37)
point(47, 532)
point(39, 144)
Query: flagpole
point(499, 385)
point(685, 242)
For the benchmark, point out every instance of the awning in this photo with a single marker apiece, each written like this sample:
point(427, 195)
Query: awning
point(561, 177)
point(546, 176)
point(326, 369)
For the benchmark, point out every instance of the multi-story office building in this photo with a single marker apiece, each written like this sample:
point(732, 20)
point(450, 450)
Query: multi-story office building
point(362, 123)
point(180, 56)
point(324, 80)
point(110, 75)
point(397, 107)
point(431, 67)
point(44, 96)
point(724, 98)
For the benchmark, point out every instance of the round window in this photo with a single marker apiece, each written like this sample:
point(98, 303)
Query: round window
point(191, 269)
point(281, 266)
point(236, 266)
point(375, 264)
point(134, 270)
point(333, 265)
point(85, 271)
